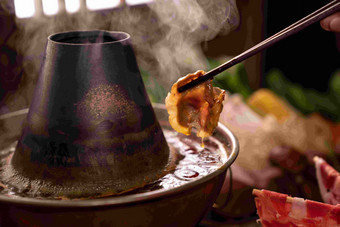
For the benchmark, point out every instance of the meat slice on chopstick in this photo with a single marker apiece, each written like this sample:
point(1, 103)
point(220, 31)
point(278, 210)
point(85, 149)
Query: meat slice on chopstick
point(198, 107)
point(277, 209)
point(328, 180)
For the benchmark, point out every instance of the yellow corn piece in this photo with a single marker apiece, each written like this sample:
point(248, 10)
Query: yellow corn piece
point(264, 101)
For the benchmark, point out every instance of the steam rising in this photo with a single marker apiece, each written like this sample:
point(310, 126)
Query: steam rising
point(166, 35)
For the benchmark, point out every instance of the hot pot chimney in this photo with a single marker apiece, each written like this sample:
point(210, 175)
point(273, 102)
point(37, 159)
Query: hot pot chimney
point(91, 130)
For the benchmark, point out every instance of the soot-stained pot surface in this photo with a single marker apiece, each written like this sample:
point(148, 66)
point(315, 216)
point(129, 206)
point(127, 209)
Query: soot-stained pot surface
point(183, 205)
point(91, 130)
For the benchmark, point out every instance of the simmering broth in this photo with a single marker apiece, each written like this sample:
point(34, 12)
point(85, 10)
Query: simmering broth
point(193, 163)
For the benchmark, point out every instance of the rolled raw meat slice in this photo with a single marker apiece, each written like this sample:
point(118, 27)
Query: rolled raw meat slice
point(328, 180)
point(278, 210)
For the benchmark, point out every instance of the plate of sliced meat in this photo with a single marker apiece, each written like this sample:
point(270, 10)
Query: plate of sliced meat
point(277, 209)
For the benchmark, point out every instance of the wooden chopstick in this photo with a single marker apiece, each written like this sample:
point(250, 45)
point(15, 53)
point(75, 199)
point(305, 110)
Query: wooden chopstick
point(317, 15)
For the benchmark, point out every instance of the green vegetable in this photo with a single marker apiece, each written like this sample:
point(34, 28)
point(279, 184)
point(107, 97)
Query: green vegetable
point(155, 91)
point(324, 104)
point(277, 82)
point(293, 93)
point(334, 87)
point(297, 97)
point(234, 80)
point(307, 100)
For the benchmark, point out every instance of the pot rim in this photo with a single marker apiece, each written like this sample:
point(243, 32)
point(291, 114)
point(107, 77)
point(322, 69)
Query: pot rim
point(133, 198)
point(52, 37)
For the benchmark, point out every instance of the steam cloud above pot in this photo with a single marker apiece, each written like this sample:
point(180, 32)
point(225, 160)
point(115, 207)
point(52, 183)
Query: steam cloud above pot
point(166, 36)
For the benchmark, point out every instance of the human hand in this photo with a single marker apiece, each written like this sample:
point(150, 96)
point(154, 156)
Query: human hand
point(331, 23)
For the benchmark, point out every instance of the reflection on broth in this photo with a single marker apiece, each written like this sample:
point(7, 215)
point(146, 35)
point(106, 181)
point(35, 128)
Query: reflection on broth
point(193, 163)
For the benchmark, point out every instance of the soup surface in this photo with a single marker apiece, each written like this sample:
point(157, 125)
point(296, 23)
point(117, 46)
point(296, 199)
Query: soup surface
point(193, 162)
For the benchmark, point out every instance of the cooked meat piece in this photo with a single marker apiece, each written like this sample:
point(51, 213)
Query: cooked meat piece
point(198, 107)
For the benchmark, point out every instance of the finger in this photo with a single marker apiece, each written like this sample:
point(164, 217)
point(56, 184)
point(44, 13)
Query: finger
point(331, 23)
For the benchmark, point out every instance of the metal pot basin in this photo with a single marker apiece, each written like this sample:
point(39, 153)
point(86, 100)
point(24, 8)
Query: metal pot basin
point(184, 205)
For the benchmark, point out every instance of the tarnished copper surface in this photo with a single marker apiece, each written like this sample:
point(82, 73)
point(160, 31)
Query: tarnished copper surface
point(91, 129)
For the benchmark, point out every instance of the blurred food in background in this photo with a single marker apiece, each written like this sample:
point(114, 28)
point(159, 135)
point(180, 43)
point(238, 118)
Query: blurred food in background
point(280, 129)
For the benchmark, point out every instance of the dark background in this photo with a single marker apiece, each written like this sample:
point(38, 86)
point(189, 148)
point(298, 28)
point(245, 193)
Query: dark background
point(309, 57)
